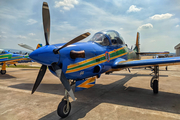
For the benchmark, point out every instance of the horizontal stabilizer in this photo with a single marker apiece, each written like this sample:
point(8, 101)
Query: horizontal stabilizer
point(26, 46)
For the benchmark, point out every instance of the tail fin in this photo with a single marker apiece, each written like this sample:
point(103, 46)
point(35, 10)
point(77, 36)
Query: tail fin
point(137, 48)
point(38, 46)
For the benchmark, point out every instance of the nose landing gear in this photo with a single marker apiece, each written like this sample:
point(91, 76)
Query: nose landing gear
point(155, 80)
point(64, 106)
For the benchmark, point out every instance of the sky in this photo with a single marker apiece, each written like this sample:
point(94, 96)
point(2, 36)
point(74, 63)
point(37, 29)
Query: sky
point(157, 21)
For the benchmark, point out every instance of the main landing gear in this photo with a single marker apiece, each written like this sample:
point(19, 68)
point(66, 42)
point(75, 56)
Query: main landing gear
point(3, 72)
point(155, 80)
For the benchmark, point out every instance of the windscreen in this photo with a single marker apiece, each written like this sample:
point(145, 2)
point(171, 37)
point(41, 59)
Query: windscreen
point(100, 39)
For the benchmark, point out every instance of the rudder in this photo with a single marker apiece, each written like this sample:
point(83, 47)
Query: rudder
point(137, 48)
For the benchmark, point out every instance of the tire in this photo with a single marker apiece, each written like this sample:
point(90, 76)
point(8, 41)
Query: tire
point(61, 110)
point(3, 72)
point(166, 68)
point(155, 86)
point(152, 80)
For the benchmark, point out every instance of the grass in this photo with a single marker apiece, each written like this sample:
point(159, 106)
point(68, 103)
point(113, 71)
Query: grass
point(21, 66)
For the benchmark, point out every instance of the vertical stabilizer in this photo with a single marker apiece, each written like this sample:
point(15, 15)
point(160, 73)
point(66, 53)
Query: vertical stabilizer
point(137, 48)
point(38, 46)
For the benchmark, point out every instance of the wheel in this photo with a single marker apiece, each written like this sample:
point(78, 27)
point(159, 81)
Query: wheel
point(155, 86)
point(3, 72)
point(62, 110)
point(152, 80)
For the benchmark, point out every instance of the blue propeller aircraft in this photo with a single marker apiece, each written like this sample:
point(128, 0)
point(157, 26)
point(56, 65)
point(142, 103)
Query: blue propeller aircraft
point(81, 63)
point(10, 58)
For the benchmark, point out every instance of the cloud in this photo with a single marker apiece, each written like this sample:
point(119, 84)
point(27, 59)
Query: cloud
point(177, 26)
point(21, 37)
point(66, 4)
point(152, 41)
point(3, 32)
point(2, 36)
point(31, 21)
point(145, 26)
point(161, 16)
point(31, 34)
point(133, 8)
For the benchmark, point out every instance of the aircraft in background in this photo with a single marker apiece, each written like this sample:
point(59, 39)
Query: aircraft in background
point(10, 58)
point(82, 63)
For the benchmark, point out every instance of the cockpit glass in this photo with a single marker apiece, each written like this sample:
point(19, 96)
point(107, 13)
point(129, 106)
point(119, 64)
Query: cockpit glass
point(2, 51)
point(115, 37)
point(100, 39)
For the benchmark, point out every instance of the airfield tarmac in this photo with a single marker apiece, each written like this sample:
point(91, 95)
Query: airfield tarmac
point(118, 96)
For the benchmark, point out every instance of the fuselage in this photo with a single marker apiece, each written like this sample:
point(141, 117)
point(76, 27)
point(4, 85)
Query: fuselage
point(8, 56)
point(99, 57)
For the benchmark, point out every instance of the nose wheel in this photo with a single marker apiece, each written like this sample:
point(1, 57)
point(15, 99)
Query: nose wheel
point(64, 106)
point(155, 80)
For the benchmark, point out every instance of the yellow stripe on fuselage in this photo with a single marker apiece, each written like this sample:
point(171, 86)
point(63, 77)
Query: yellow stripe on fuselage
point(5, 54)
point(85, 61)
point(93, 58)
point(87, 66)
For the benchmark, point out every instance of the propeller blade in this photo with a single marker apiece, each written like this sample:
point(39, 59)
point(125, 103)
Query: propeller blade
point(46, 21)
point(39, 78)
point(80, 37)
point(63, 79)
point(26, 46)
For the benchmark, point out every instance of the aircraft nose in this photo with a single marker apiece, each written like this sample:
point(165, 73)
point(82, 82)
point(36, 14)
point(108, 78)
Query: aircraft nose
point(44, 55)
point(33, 55)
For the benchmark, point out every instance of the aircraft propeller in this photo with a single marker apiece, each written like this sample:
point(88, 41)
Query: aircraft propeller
point(57, 69)
point(80, 37)
point(46, 21)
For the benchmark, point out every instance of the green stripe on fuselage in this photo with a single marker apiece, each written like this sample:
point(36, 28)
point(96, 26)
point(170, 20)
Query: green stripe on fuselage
point(114, 54)
point(88, 63)
point(6, 56)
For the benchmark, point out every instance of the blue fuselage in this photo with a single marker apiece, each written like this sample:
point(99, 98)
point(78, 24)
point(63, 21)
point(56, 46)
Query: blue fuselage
point(98, 59)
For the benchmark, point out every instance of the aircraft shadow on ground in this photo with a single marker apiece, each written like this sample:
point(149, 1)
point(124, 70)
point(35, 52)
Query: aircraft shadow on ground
point(45, 88)
point(136, 75)
point(6, 76)
point(114, 93)
point(30, 69)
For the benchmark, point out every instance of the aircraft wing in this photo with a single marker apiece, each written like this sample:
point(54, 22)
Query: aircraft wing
point(147, 62)
point(152, 53)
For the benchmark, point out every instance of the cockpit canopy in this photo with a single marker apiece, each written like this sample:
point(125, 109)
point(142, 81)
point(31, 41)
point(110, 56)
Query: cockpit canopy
point(3, 51)
point(109, 37)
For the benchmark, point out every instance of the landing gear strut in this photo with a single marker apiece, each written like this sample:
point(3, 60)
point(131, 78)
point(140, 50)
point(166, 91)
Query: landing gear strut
point(155, 80)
